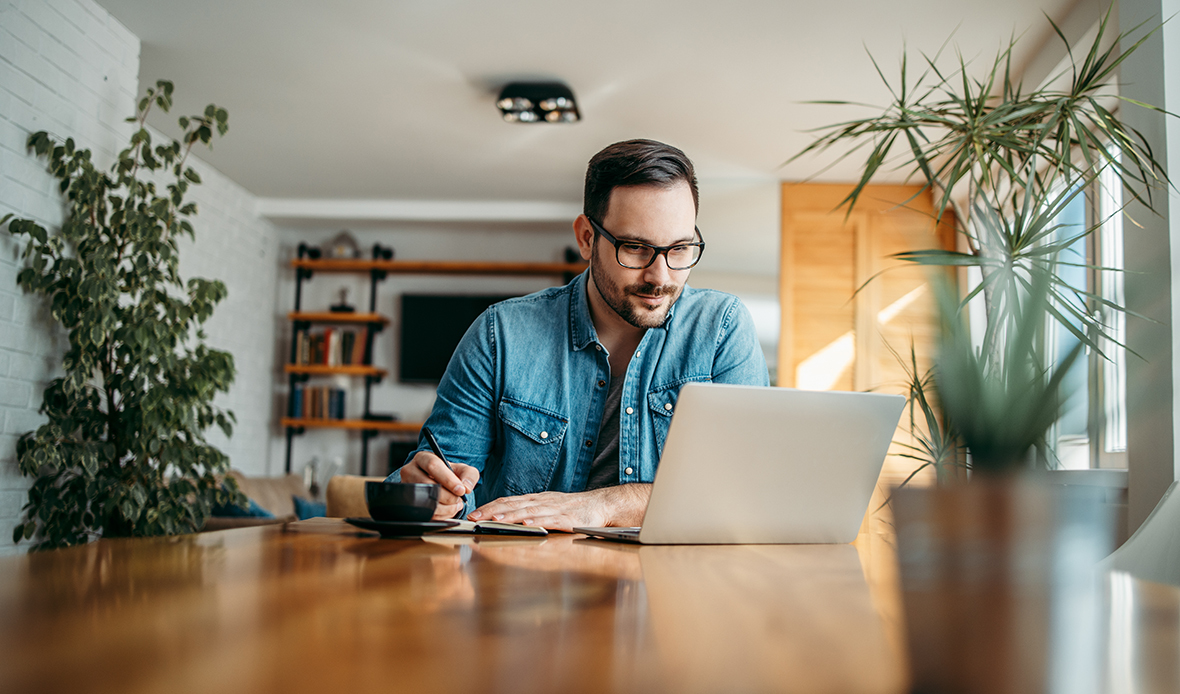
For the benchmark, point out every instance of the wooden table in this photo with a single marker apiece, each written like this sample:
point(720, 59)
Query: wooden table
point(317, 606)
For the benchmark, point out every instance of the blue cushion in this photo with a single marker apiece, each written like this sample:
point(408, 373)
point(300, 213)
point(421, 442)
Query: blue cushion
point(305, 508)
point(232, 511)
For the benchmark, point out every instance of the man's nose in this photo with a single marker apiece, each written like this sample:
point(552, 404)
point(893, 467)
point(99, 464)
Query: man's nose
point(658, 273)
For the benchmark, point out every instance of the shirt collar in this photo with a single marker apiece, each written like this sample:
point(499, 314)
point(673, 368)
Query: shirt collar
point(582, 332)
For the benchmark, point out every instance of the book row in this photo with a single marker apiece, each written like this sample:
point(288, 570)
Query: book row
point(317, 402)
point(331, 347)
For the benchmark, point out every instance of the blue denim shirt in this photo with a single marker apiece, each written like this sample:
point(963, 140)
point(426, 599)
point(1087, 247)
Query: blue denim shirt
point(523, 396)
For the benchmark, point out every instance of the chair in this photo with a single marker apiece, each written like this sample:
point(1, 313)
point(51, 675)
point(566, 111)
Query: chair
point(1153, 552)
point(271, 493)
point(346, 496)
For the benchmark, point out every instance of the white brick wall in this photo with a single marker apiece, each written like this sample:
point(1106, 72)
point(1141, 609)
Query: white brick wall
point(68, 67)
point(239, 248)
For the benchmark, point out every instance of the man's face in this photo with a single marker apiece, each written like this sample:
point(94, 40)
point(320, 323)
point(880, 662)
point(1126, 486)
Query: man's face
point(654, 215)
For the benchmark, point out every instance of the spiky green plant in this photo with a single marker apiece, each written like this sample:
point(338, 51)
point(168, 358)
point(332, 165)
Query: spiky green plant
point(1008, 161)
point(934, 444)
point(1012, 158)
point(1001, 402)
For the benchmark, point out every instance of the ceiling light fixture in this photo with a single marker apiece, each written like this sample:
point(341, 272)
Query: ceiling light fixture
point(538, 102)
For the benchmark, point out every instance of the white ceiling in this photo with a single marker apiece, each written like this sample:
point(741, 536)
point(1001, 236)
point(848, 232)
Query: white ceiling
point(393, 100)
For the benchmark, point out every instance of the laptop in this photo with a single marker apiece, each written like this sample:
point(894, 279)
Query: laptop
point(765, 465)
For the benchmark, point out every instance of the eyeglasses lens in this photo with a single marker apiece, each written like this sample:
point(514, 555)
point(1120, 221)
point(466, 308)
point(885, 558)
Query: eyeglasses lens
point(638, 256)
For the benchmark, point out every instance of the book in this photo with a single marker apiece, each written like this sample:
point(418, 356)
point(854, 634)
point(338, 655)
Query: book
point(358, 347)
point(326, 355)
point(297, 401)
point(333, 340)
point(301, 348)
point(493, 528)
point(315, 353)
point(347, 342)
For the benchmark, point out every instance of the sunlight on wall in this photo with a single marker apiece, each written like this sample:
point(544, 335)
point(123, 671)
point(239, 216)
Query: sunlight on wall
point(823, 369)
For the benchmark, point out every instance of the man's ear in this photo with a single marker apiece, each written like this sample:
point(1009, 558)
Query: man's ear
point(584, 234)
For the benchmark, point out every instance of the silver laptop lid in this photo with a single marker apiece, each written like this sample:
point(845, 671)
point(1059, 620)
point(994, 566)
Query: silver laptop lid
point(748, 464)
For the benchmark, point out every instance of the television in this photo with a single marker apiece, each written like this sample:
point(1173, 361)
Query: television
point(431, 327)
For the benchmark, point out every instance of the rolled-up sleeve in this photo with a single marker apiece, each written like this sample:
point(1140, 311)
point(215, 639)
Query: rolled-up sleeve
point(463, 416)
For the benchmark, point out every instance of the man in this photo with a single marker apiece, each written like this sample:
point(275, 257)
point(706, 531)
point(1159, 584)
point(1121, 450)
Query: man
point(555, 406)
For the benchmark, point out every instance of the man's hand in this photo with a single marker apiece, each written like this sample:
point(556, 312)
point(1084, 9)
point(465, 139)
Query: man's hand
point(610, 506)
point(428, 468)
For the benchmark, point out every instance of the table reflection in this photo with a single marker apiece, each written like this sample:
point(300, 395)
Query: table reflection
point(318, 606)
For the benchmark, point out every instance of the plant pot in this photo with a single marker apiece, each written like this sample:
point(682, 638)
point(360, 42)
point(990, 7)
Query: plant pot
point(999, 586)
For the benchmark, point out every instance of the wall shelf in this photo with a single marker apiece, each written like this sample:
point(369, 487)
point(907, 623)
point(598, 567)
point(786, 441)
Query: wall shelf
point(346, 370)
point(437, 267)
point(337, 317)
point(353, 424)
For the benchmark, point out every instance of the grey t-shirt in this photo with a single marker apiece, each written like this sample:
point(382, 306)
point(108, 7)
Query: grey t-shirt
point(604, 470)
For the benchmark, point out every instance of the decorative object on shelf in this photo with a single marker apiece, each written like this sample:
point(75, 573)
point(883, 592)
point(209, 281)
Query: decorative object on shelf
point(123, 452)
point(343, 306)
point(342, 247)
point(310, 252)
point(538, 102)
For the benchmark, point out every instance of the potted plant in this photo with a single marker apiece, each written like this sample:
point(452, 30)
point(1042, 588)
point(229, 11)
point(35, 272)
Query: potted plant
point(1007, 162)
point(984, 572)
point(123, 451)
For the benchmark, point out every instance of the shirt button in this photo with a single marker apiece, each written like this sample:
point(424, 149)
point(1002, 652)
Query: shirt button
point(598, 347)
point(668, 406)
point(601, 384)
point(630, 411)
point(589, 443)
point(544, 434)
point(628, 471)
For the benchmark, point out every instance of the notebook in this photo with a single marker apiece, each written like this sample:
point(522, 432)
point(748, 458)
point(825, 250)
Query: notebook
point(759, 465)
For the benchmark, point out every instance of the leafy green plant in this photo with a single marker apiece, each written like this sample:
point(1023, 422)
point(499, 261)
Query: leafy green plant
point(123, 451)
point(1008, 161)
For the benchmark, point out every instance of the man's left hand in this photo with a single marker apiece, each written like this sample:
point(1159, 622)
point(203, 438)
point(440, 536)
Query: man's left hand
point(610, 506)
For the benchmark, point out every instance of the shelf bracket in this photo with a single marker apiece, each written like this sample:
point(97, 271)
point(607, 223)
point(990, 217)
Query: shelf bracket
point(366, 435)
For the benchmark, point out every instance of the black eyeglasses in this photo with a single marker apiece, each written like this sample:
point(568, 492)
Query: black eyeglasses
point(636, 255)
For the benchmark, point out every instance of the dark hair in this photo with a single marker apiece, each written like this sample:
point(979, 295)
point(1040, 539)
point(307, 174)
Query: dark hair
point(634, 163)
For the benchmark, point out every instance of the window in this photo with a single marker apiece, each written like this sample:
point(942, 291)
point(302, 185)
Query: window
point(1091, 431)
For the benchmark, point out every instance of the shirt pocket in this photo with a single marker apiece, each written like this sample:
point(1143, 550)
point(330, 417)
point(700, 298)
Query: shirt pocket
point(532, 446)
point(661, 403)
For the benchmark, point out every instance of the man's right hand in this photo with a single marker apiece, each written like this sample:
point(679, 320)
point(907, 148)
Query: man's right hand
point(428, 468)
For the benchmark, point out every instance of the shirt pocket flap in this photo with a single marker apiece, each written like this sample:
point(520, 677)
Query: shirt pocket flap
point(539, 425)
point(662, 402)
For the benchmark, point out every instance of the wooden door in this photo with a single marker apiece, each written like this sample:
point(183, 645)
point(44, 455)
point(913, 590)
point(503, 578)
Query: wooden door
point(836, 338)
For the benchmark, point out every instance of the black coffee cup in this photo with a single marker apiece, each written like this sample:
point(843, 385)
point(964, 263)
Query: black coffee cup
point(400, 501)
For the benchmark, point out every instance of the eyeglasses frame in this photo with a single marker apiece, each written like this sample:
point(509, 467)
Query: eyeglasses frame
point(659, 250)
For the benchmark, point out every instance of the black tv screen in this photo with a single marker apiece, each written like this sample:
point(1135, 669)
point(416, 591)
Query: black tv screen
point(431, 327)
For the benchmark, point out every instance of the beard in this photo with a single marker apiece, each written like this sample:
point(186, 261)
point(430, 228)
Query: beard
point(619, 297)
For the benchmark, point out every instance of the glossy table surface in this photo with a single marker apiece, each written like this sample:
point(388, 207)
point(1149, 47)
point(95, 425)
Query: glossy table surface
point(318, 606)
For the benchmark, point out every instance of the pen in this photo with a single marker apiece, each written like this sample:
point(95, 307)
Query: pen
point(434, 447)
